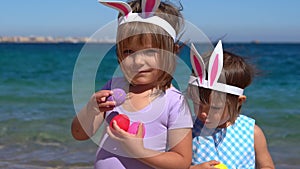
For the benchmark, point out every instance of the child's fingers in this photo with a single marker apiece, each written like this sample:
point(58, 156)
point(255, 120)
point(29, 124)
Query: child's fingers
point(213, 163)
point(107, 104)
point(118, 130)
point(111, 134)
point(101, 95)
point(141, 129)
point(117, 133)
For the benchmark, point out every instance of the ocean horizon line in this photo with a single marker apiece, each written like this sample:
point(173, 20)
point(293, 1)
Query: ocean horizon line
point(70, 39)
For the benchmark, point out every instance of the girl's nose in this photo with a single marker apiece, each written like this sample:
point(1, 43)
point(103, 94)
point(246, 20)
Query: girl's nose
point(202, 115)
point(139, 58)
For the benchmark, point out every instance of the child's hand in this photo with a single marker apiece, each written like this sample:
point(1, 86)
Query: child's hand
point(98, 100)
point(206, 165)
point(133, 144)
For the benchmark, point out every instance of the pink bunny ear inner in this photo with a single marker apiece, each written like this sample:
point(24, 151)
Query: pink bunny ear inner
point(214, 70)
point(122, 7)
point(198, 68)
point(197, 63)
point(215, 64)
point(149, 6)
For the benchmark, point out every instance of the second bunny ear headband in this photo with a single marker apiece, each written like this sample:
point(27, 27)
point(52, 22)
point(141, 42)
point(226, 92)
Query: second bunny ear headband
point(148, 8)
point(214, 71)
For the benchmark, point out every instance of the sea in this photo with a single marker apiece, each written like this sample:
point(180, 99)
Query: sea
point(37, 102)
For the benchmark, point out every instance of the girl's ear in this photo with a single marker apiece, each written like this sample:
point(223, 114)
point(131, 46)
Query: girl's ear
point(215, 64)
point(197, 63)
point(122, 7)
point(149, 6)
point(176, 48)
point(242, 99)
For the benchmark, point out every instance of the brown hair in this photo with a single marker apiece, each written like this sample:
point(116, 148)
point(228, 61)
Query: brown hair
point(237, 72)
point(140, 32)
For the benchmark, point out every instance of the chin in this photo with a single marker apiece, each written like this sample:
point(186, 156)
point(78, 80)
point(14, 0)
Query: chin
point(142, 81)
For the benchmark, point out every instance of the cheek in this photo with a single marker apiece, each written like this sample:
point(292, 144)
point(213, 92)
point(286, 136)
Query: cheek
point(157, 73)
point(225, 118)
point(126, 64)
point(214, 115)
point(153, 63)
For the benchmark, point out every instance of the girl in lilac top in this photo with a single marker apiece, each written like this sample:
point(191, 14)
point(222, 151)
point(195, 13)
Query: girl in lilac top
point(146, 50)
point(168, 111)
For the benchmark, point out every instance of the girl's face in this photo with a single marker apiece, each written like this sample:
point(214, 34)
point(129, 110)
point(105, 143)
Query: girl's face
point(213, 115)
point(140, 64)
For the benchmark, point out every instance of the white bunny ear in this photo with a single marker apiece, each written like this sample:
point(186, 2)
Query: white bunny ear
point(215, 64)
point(197, 63)
point(149, 6)
point(122, 7)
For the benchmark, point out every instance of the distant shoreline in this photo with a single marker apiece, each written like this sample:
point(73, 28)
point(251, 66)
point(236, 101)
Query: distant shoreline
point(41, 39)
point(82, 40)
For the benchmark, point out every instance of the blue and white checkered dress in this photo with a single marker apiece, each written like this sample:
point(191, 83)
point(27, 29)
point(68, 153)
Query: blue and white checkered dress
point(233, 146)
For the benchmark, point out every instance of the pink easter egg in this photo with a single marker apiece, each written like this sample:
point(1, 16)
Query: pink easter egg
point(133, 128)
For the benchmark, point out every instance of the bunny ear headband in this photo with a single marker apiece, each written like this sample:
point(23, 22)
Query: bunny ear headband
point(214, 71)
point(148, 8)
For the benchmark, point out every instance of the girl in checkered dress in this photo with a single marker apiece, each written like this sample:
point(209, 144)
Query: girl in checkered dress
point(221, 134)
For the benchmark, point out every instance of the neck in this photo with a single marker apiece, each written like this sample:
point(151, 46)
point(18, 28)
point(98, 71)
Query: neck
point(137, 89)
point(139, 96)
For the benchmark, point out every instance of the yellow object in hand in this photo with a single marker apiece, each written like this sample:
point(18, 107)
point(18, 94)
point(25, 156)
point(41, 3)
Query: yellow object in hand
point(221, 166)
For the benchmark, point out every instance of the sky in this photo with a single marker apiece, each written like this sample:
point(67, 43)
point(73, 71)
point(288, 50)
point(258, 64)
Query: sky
point(233, 20)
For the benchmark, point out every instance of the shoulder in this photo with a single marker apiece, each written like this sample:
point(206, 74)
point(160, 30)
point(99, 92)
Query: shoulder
point(179, 115)
point(174, 96)
point(258, 133)
point(242, 119)
point(173, 92)
point(259, 137)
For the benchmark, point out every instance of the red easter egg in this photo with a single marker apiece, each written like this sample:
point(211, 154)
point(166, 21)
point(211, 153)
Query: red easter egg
point(122, 121)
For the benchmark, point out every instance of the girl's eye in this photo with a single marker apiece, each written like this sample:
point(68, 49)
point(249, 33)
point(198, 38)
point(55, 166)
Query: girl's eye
point(215, 108)
point(150, 52)
point(127, 52)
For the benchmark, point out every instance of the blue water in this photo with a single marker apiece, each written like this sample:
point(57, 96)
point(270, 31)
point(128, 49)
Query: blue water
point(37, 108)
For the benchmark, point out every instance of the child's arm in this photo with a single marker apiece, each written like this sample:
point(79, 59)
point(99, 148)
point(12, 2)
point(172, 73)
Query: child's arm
point(262, 155)
point(179, 156)
point(89, 119)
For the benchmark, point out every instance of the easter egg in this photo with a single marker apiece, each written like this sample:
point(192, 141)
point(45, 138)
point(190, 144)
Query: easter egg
point(122, 121)
point(221, 166)
point(133, 128)
point(118, 96)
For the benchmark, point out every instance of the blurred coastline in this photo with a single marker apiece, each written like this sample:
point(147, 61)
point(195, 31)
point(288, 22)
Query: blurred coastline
point(50, 39)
